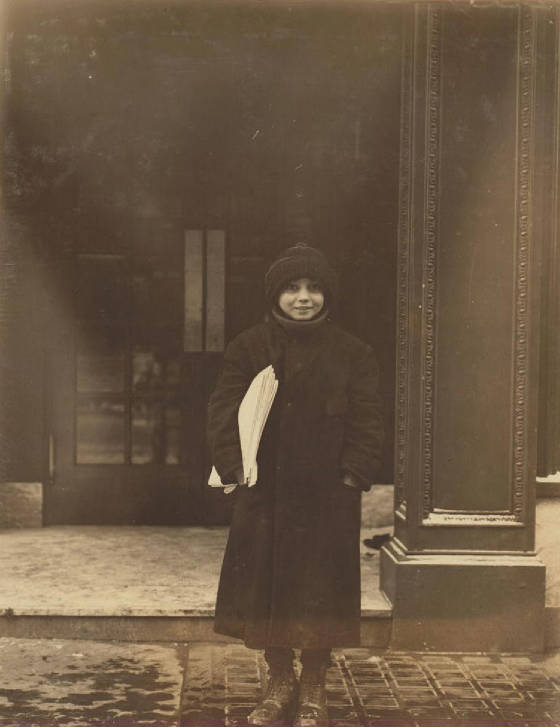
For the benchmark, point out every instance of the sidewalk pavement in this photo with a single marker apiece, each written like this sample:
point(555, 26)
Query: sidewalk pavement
point(113, 684)
point(150, 571)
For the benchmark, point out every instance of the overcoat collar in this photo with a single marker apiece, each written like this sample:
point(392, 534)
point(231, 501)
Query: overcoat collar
point(294, 354)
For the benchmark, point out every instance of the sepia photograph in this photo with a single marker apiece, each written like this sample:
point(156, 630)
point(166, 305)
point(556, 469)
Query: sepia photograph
point(279, 363)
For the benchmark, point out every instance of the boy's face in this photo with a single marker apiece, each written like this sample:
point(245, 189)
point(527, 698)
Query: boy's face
point(301, 299)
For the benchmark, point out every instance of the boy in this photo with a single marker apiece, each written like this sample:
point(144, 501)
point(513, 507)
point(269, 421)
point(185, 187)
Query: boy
point(291, 571)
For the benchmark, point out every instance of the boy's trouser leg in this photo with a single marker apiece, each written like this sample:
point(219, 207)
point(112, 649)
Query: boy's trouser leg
point(280, 699)
point(315, 658)
point(312, 706)
point(279, 658)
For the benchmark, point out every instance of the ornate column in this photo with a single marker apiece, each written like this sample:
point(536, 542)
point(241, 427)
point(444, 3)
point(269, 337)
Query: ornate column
point(461, 571)
point(547, 196)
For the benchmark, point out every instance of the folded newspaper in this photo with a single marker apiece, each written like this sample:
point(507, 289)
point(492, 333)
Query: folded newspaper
point(251, 418)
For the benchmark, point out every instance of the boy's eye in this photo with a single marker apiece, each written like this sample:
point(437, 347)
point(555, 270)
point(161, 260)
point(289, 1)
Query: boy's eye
point(293, 287)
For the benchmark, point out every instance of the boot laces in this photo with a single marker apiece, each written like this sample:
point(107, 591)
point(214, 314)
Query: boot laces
point(280, 686)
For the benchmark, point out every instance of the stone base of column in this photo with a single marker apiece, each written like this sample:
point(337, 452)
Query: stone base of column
point(461, 602)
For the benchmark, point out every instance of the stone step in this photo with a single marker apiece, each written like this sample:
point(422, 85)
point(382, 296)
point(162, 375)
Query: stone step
point(159, 584)
point(375, 628)
point(133, 584)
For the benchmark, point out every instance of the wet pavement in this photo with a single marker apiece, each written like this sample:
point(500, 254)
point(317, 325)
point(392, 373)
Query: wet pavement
point(109, 684)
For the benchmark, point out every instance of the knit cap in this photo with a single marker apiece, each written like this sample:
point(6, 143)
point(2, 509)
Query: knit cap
point(299, 261)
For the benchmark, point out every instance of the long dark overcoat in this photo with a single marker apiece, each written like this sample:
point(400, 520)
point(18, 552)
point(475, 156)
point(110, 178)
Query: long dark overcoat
point(291, 571)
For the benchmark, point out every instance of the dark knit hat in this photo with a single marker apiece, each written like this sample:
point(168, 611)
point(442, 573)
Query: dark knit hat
point(300, 261)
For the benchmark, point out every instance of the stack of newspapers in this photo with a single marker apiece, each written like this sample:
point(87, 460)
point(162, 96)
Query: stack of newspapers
point(251, 418)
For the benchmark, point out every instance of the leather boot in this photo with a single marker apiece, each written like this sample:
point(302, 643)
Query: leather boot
point(312, 704)
point(280, 699)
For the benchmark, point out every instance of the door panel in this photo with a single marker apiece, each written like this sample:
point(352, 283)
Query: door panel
point(128, 410)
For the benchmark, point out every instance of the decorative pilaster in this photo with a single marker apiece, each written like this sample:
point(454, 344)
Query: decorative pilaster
point(467, 350)
point(547, 196)
point(403, 281)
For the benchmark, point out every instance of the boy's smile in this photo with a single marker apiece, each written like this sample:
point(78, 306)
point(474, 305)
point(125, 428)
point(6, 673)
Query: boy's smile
point(301, 299)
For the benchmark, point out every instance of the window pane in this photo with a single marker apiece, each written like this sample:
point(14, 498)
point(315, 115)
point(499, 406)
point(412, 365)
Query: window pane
point(215, 290)
point(157, 290)
point(147, 372)
point(152, 371)
point(100, 360)
point(173, 446)
point(192, 340)
point(100, 432)
point(173, 416)
point(100, 373)
point(148, 432)
point(156, 433)
point(173, 373)
point(174, 434)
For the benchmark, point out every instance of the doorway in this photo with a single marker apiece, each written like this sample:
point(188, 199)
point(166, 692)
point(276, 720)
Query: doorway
point(268, 125)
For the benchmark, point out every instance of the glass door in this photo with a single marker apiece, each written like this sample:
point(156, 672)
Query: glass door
point(129, 388)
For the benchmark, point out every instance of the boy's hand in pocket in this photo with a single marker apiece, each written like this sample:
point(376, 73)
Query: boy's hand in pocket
point(349, 480)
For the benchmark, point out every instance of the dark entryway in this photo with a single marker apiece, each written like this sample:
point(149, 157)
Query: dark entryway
point(161, 156)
